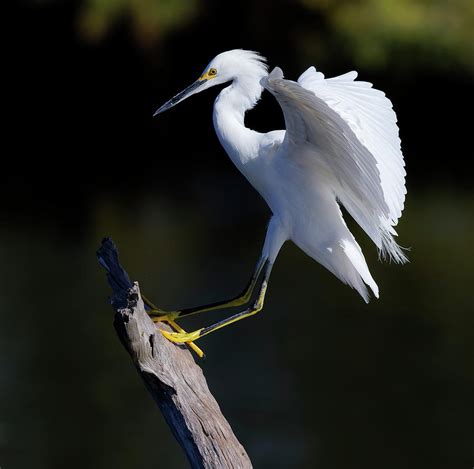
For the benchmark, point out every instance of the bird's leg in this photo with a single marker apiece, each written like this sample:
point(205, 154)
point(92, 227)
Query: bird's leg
point(158, 315)
point(180, 337)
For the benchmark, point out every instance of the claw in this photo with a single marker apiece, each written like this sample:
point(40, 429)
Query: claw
point(180, 337)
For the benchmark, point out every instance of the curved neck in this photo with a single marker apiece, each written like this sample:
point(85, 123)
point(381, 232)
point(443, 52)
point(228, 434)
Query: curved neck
point(230, 107)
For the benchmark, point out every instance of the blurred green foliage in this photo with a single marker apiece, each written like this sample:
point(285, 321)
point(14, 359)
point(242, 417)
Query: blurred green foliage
point(438, 31)
point(435, 32)
point(149, 19)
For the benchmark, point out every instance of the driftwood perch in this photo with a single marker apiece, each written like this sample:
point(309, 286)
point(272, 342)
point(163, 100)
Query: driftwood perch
point(171, 376)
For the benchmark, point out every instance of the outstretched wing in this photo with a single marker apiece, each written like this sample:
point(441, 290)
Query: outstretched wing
point(352, 128)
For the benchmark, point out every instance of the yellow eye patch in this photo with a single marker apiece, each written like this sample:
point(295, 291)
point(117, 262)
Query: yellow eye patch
point(211, 73)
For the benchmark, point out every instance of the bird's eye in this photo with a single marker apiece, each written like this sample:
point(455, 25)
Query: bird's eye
point(212, 72)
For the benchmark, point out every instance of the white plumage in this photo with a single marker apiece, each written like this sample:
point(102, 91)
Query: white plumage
point(340, 146)
point(352, 128)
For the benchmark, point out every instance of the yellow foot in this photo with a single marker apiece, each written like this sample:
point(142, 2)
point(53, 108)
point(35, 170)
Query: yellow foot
point(182, 336)
point(158, 315)
point(189, 342)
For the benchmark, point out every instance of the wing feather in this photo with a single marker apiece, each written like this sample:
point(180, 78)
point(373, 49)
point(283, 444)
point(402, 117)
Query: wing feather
point(353, 130)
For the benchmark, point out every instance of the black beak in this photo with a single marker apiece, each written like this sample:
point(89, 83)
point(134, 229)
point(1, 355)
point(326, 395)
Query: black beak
point(180, 96)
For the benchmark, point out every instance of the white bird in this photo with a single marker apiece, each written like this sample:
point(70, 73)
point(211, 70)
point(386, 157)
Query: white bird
point(340, 147)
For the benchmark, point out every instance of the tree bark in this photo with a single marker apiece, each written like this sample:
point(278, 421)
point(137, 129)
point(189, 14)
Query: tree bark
point(172, 377)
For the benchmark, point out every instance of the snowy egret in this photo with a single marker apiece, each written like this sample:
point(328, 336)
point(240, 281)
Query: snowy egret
point(340, 147)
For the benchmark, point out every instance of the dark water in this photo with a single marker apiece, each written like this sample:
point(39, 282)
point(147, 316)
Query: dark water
point(318, 379)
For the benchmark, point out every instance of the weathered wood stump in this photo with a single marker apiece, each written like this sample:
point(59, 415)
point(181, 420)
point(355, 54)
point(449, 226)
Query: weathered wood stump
point(170, 374)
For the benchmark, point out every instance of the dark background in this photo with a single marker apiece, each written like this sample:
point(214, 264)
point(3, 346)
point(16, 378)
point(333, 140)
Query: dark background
point(319, 379)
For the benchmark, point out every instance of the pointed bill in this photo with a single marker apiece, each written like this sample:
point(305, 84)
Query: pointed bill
point(189, 91)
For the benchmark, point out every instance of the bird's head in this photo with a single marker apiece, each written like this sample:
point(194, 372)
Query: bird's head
point(225, 67)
